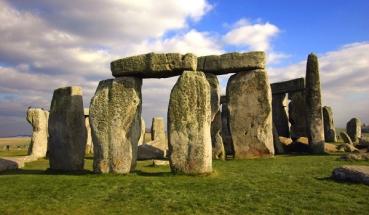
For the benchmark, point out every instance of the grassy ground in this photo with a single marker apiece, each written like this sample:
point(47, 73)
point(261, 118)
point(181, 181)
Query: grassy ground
point(19, 143)
point(281, 185)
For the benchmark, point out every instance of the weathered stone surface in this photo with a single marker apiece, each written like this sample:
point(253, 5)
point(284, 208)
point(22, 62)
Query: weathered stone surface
point(278, 147)
point(353, 129)
point(297, 115)
point(38, 118)
point(355, 157)
point(154, 65)
point(231, 62)
point(143, 131)
point(329, 129)
point(346, 138)
point(330, 148)
point(280, 114)
point(158, 133)
point(160, 163)
point(285, 141)
point(352, 173)
point(288, 86)
point(250, 114)
point(214, 94)
point(226, 134)
point(115, 117)
point(89, 145)
point(314, 117)
point(67, 131)
point(149, 152)
point(189, 122)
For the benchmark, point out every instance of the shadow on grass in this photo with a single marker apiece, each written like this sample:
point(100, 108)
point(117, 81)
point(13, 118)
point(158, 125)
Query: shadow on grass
point(45, 172)
point(331, 179)
point(150, 174)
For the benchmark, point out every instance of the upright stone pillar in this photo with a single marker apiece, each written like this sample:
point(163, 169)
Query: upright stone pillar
point(329, 129)
point(250, 120)
point(216, 121)
point(158, 133)
point(143, 131)
point(38, 118)
point(189, 121)
point(115, 117)
point(280, 115)
point(89, 145)
point(314, 119)
point(226, 134)
point(297, 114)
point(67, 131)
point(353, 129)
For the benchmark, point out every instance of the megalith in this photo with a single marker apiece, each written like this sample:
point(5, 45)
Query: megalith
point(353, 129)
point(89, 145)
point(250, 114)
point(38, 118)
point(280, 114)
point(189, 123)
point(226, 134)
point(314, 118)
point(158, 133)
point(297, 114)
point(67, 131)
point(115, 118)
point(329, 129)
point(143, 131)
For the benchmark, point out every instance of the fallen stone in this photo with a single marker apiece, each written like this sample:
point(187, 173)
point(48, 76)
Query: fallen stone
point(250, 114)
point(67, 131)
point(348, 148)
point(330, 148)
point(353, 129)
point(329, 129)
point(160, 163)
point(189, 123)
point(38, 118)
point(158, 133)
point(115, 116)
point(355, 157)
point(154, 65)
point(354, 173)
point(149, 152)
point(231, 62)
point(285, 140)
point(346, 138)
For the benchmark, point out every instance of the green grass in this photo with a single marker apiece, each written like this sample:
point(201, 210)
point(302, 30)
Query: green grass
point(13, 153)
point(281, 185)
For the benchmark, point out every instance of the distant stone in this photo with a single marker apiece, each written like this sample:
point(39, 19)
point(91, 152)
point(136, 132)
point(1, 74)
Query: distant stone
point(67, 131)
point(280, 114)
point(285, 140)
point(143, 131)
point(158, 133)
point(115, 116)
point(149, 152)
point(314, 119)
point(160, 163)
point(89, 145)
point(355, 157)
point(348, 148)
point(330, 148)
point(154, 65)
point(352, 173)
point(329, 129)
point(226, 134)
point(294, 85)
point(38, 118)
point(189, 123)
point(346, 138)
point(297, 114)
point(231, 62)
point(250, 114)
point(353, 129)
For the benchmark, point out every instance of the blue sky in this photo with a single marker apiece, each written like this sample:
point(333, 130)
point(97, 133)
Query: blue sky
point(51, 44)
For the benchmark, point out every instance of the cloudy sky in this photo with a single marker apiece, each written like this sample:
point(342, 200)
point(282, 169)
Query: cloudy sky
point(50, 44)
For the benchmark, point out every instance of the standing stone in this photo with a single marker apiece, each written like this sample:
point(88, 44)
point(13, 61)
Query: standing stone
point(329, 129)
point(278, 147)
point(67, 131)
point(250, 120)
point(189, 122)
point(226, 134)
point(216, 121)
point(89, 145)
point(280, 116)
point(314, 118)
point(143, 131)
point(297, 114)
point(158, 133)
point(353, 129)
point(38, 118)
point(115, 117)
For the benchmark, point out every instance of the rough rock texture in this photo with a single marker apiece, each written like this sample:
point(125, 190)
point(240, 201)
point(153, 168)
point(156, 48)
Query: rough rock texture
point(297, 114)
point(346, 147)
point(160, 163)
point(143, 131)
point(278, 147)
point(158, 133)
point(226, 134)
point(231, 62)
point(89, 145)
point(346, 138)
point(314, 117)
point(280, 114)
point(10, 163)
point(353, 129)
point(250, 114)
point(216, 120)
point(330, 148)
point(329, 129)
point(154, 65)
point(354, 173)
point(38, 118)
point(288, 86)
point(149, 152)
point(355, 157)
point(67, 131)
point(189, 122)
point(115, 117)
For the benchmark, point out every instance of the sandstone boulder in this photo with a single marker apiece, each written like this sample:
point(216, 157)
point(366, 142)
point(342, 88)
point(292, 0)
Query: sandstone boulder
point(355, 157)
point(329, 129)
point(38, 118)
point(149, 152)
point(189, 123)
point(250, 114)
point(67, 131)
point(115, 117)
point(353, 129)
point(354, 173)
point(158, 133)
point(346, 138)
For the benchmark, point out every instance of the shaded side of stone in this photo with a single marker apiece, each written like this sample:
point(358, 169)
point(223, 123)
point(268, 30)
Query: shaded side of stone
point(280, 114)
point(357, 174)
point(278, 147)
point(353, 129)
point(297, 115)
point(329, 129)
point(288, 86)
point(226, 134)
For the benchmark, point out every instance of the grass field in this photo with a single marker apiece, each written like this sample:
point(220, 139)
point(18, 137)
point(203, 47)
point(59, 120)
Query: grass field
point(281, 185)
